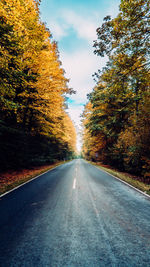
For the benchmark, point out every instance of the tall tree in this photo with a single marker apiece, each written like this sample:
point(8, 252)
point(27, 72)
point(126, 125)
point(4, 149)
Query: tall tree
point(33, 88)
point(121, 96)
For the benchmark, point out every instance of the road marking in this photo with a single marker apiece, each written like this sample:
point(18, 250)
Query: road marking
point(122, 181)
point(74, 183)
point(15, 188)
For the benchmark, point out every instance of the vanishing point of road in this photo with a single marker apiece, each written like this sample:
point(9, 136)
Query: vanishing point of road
point(74, 215)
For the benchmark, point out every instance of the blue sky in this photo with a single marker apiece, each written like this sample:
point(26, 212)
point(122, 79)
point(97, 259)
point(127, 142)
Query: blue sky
point(73, 24)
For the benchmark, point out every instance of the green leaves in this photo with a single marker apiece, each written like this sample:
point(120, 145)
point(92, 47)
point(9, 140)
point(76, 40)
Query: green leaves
point(119, 102)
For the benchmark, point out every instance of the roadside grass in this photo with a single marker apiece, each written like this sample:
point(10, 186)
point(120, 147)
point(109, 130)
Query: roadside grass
point(11, 179)
point(130, 179)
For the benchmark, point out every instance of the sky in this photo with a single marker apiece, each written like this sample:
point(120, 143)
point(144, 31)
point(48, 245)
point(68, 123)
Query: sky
point(73, 25)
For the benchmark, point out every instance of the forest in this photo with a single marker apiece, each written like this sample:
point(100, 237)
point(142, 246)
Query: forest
point(116, 119)
point(35, 128)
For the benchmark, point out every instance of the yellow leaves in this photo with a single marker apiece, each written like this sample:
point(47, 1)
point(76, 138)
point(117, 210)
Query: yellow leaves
point(37, 77)
point(92, 145)
point(69, 132)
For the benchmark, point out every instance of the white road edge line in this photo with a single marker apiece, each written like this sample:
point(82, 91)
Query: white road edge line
point(124, 182)
point(74, 183)
point(29, 181)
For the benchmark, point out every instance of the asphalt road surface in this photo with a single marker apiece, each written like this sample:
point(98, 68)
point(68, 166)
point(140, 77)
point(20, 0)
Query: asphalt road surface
point(74, 215)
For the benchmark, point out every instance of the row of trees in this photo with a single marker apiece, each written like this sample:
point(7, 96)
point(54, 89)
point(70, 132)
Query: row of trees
point(116, 119)
point(34, 126)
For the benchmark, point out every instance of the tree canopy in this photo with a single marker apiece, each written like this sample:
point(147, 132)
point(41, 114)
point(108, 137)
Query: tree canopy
point(119, 117)
point(34, 125)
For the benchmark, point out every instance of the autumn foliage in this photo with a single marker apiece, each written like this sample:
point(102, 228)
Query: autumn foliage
point(116, 120)
point(34, 125)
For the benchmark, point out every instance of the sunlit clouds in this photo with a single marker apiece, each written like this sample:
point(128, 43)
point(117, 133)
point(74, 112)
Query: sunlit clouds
point(73, 24)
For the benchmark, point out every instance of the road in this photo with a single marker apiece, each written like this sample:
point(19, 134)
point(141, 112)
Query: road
point(74, 215)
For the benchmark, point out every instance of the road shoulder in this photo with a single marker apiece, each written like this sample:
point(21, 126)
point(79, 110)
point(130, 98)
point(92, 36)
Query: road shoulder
point(126, 179)
point(12, 180)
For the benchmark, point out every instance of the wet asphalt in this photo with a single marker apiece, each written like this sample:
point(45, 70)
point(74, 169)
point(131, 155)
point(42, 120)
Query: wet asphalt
point(74, 215)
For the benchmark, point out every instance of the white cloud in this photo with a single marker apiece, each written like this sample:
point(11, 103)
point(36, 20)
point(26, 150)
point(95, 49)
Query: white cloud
point(81, 63)
point(57, 30)
point(79, 67)
point(75, 113)
point(83, 26)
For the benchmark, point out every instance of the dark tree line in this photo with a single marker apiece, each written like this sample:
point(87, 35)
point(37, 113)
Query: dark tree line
point(117, 118)
point(34, 125)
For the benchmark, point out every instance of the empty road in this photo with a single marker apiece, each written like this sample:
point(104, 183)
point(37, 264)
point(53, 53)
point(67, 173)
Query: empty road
point(74, 215)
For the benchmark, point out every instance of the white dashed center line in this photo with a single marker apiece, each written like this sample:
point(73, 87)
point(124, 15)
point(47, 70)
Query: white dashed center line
point(74, 183)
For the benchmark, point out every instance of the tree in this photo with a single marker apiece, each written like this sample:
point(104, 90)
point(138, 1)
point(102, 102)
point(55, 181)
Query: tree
point(120, 98)
point(33, 88)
